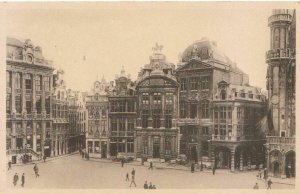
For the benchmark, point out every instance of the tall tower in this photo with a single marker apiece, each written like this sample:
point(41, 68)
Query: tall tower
point(281, 73)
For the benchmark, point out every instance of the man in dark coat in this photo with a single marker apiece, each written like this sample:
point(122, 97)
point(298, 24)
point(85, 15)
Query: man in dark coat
point(23, 179)
point(16, 178)
point(214, 170)
point(269, 184)
point(132, 181)
point(133, 172)
point(150, 186)
point(44, 158)
point(151, 166)
point(193, 167)
point(36, 170)
point(9, 165)
point(127, 176)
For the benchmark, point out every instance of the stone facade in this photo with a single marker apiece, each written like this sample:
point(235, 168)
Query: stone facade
point(122, 116)
point(97, 134)
point(218, 108)
point(156, 134)
point(281, 80)
point(28, 99)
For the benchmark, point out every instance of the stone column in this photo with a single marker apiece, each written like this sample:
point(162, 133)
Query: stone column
point(282, 37)
point(241, 161)
point(162, 149)
point(23, 90)
point(34, 136)
point(24, 125)
point(150, 146)
point(108, 148)
point(283, 170)
point(232, 151)
point(13, 92)
point(43, 136)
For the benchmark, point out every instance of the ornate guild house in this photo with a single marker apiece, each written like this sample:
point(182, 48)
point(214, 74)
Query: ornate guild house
point(156, 133)
point(28, 99)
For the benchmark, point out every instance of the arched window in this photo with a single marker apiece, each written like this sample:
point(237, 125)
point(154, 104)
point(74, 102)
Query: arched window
point(223, 94)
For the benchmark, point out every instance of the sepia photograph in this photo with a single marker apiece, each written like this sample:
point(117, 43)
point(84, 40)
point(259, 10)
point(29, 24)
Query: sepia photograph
point(149, 95)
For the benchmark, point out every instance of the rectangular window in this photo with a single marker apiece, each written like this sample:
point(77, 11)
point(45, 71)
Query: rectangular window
point(222, 129)
point(168, 119)
point(205, 130)
point(183, 110)
point(250, 95)
point(223, 113)
point(8, 103)
point(18, 81)
point(28, 82)
point(193, 111)
point(145, 114)
point(121, 106)
point(205, 82)
point(113, 106)
point(216, 114)
point(193, 83)
point(38, 104)
point(130, 124)
point(169, 98)
point(145, 98)
point(157, 98)
point(18, 103)
point(130, 145)
point(114, 124)
point(47, 104)
point(122, 121)
point(183, 84)
point(8, 79)
point(145, 145)
point(156, 118)
point(28, 104)
point(38, 83)
point(130, 106)
point(216, 130)
point(47, 83)
point(205, 110)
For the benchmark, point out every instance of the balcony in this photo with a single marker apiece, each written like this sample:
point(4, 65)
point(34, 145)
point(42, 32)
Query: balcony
point(280, 54)
point(188, 121)
point(279, 18)
point(280, 140)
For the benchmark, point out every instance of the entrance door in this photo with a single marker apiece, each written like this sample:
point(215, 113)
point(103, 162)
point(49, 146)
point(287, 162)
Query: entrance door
point(194, 155)
point(276, 169)
point(113, 149)
point(156, 151)
point(19, 143)
point(103, 150)
point(156, 147)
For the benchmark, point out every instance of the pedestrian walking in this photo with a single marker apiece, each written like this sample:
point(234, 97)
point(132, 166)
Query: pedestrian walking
point(193, 168)
point(82, 154)
point(259, 173)
point(127, 176)
point(16, 178)
point(122, 162)
point(133, 172)
point(36, 170)
point(265, 173)
point(44, 158)
point(256, 186)
point(145, 185)
point(150, 186)
point(214, 170)
point(151, 166)
point(23, 179)
point(269, 184)
point(9, 165)
point(132, 181)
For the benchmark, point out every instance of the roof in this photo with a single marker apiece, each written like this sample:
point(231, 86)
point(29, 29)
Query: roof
point(14, 42)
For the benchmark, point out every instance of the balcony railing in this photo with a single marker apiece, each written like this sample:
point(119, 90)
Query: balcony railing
point(188, 121)
point(279, 17)
point(121, 133)
point(280, 140)
point(280, 54)
point(231, 138)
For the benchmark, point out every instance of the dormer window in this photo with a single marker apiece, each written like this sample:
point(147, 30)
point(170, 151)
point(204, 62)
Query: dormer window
point(250, 95)
point(223, 94)
point(243, 94)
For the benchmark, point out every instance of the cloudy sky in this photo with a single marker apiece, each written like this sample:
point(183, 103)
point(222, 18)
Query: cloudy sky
point(113, 35)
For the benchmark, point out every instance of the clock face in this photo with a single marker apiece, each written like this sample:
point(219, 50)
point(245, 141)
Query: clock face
point(275, 99)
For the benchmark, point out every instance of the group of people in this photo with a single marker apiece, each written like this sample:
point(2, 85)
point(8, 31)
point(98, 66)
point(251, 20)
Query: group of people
point(16, 176)
point(16, 179)
point(84, 154)
point(150, 186)
point(269, 184)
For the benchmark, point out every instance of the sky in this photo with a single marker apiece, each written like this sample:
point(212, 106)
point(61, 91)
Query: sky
point(111, 35)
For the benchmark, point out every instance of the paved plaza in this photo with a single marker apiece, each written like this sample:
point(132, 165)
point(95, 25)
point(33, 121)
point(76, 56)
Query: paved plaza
point(75, 172)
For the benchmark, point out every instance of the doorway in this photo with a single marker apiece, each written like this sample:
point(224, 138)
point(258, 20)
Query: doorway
point(103, 150)
point(19, 143)
point(276, 169)
point(194, 155)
